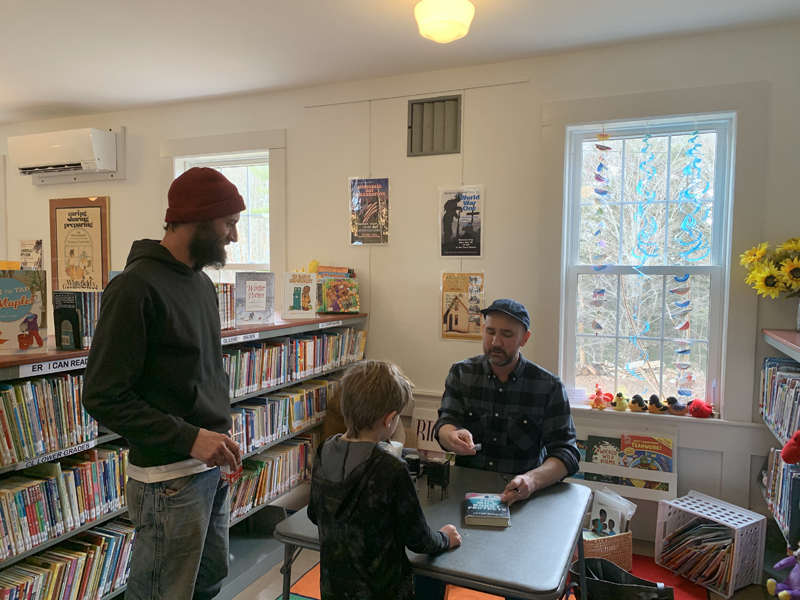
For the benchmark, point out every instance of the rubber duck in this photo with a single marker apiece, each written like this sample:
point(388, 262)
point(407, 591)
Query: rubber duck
point(620, 402)
point(637, 404)
point(656, 407)
point(699, 409)
point(675, 407)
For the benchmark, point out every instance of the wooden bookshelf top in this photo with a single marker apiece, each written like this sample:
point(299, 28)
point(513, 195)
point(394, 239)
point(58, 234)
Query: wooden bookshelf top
point(13, 366)
point(785, 340)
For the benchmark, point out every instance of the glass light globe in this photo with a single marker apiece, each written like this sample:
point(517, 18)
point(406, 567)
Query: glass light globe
point(444, 20)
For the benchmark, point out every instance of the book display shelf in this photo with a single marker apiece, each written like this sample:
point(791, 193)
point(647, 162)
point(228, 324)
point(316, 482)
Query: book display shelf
point(300, 350)
point(778, 405)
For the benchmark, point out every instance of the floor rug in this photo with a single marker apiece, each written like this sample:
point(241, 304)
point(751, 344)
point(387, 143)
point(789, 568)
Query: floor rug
point(645, 567)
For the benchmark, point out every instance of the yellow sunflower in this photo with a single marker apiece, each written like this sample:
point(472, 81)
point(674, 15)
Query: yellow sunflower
point(790, 245)
point(768, 281)
point(754, 254)
point(791, 273)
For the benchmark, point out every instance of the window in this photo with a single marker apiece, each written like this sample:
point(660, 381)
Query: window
point(647, 220)
point(250, 173)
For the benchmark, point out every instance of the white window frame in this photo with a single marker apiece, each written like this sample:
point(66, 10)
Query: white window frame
point(718, 270)
point(175, 152)
point(184, 163)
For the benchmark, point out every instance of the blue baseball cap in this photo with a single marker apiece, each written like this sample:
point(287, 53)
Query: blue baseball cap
point(512, 308)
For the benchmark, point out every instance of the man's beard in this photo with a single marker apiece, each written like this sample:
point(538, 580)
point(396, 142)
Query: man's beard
point(498, 360)
point(206, 249)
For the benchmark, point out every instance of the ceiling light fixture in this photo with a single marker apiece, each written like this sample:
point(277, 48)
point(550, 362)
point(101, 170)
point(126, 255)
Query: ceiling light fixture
point(444, 20)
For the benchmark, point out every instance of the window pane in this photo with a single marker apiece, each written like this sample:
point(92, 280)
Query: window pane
point(259, 240)
point(690, 226)
point(641, 305)
point(685, 370)
point(688, 306)
point(597, 304)
point(595, 362)
point(643, 234)
point(258, 202)
point(238, 177)
point(602, 170)
point(639, 367)
point(599, 234)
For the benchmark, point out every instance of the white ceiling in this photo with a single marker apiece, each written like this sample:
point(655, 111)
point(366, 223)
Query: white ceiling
point(68, 57)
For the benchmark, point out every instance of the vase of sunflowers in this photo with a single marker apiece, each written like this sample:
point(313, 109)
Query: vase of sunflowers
point(775, 272)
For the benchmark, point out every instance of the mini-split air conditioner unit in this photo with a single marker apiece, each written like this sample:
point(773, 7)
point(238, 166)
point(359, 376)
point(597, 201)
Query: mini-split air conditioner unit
point(69, 156)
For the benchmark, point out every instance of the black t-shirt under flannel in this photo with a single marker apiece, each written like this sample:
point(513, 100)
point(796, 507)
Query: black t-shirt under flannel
point(519, 422)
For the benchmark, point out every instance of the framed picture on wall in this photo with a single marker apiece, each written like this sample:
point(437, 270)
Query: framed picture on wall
point(79, 243)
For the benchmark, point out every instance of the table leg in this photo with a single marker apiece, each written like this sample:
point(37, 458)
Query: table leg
point(286, 570)
point(582, 568)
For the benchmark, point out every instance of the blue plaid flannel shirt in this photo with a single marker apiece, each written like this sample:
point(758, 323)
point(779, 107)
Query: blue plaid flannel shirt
point(519, 422)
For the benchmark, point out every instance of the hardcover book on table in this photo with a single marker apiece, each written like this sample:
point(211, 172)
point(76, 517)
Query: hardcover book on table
point(487, 509)
point(255, 298)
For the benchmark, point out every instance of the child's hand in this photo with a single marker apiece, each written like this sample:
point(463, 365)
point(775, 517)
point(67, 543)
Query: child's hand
point(452, 534)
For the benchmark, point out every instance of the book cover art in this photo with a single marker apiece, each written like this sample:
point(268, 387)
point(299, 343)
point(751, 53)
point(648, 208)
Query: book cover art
point(68, 320)
point(23, 312)
point(340, 295)
point(486, 509)
point(603, 450)
point(254, 298)
point(600, 478)
point(647, 453)
point(581, 449)
point(299, 299)
point(604, 520)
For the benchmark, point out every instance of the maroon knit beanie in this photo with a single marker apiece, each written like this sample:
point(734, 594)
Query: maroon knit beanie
point(202, 194)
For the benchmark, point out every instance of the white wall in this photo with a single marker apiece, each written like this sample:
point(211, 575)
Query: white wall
point(358, 129)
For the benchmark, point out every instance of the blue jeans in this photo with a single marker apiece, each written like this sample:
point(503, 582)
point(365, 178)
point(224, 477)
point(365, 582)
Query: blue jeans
point(181, 549)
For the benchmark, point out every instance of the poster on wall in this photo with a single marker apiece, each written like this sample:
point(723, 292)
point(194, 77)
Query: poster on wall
point(369, 211)
point(461, 221)
point(30, 254)
point(79, 243)
point(462, 302)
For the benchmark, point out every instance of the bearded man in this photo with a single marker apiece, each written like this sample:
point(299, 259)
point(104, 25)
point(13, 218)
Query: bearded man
point(155, 376)
point(516, 411)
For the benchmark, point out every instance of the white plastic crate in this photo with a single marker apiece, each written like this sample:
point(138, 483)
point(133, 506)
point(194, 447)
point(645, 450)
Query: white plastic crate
point(748, 541)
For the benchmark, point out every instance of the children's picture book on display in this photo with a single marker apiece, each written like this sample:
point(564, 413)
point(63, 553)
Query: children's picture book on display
point(461, 221)
point(23, 312)
point(647, 453)
point(369, 211)
point(299, 296)
point(255, 298)
point(340, 295)
point(30, 254)
point(602, 450)
point(68, 320)
point(462, 302)
point(487, 509)
point(604, 520)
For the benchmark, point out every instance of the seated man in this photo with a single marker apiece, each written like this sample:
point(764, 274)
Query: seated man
point(516, 411)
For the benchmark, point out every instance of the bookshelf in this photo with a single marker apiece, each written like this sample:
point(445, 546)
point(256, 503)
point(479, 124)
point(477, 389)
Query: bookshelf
point(782, 491)
point(253, 553)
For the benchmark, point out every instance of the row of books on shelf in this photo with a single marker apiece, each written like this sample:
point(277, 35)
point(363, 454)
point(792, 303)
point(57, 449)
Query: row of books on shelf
point(780, 396)
point(779, 479)
point(257, 366)
point(54, 498)
point(75, 317)
point(702, 551)
point(88, 566)
point(262, 420)
point(43, 415)
point(225, 301)
point(631, 451)
point(272, 472)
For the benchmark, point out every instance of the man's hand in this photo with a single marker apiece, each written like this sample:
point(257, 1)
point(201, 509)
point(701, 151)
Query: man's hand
point(216, 450)
point(455, 440)
point(452, 534)
point(519, 488)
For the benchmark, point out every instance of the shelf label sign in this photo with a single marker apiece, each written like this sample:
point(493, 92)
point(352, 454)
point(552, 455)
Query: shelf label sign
point(54, 366)
point(238, 339)
point(329, 324)
point(56, 455)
